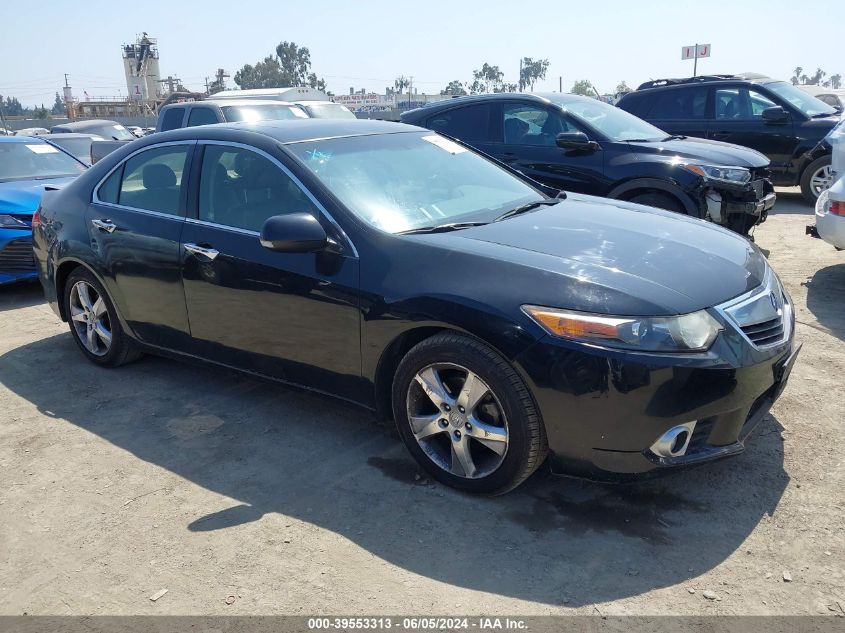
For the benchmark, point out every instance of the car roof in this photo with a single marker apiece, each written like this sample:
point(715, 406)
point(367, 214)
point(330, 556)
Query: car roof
point(560, 98)
point(293, 131)
point(73, 135)
point(84, 125)
point(233, 102)
point(21, 139)
point(662, 84)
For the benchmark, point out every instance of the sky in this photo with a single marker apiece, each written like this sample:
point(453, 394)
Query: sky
point(368, 44)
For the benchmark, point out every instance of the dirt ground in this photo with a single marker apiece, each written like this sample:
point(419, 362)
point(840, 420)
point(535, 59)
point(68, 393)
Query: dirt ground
point(243, 497)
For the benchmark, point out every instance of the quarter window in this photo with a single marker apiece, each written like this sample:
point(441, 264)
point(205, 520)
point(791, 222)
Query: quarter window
point(470, 123)
point(241, 188)
point(110, 189)
point(531, 125)
point(152, 180)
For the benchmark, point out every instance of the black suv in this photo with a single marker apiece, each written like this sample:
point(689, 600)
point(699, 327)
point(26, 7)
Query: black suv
point(774, 117)
point(587, 146)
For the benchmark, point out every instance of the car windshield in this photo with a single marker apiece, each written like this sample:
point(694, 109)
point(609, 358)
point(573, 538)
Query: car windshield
point(115, 132)
point(269, 112)
point(79, 147)
point(329, 111)
point(613, 122)
point(404, 181)
point(35, 161)
point(807, 103)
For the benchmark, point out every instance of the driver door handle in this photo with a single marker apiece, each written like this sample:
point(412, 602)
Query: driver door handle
point(196, 249)
point(105, 225)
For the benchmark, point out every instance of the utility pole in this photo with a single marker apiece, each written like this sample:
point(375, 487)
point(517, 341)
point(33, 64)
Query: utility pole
point(410, 83)
point(520, 74)
point(220, 80)
point(68, 99)
point(560, 83)
point(206, 85)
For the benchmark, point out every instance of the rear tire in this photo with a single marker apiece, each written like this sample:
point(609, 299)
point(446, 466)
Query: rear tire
point(93, 321)
point(659, 200)
point(485, 436)
point(815, 178)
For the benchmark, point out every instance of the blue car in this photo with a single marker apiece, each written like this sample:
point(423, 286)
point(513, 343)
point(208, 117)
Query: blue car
point(27, 165)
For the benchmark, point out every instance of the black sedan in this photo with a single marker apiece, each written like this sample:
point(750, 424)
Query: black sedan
point(581, 144)
point(495, 320)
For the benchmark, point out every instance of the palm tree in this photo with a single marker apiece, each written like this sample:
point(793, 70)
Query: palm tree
point(835, 81)
point(797, 76)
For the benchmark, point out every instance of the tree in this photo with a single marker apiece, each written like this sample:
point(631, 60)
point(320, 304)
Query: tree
point(532, 71)
point(290, 66)
point(455, 87)
point(796, 77)
point(401, 83)
point(583, 87)
point(836, 81)
point(488, 79)
point(265, 74)
point(58, 105)
point(12, 107)
point(817, 77)
point(41, 113)
point(622, 88)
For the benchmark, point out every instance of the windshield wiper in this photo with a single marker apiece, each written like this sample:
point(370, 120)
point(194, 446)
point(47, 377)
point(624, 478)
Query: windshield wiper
point(523, 208)
point(442, 228)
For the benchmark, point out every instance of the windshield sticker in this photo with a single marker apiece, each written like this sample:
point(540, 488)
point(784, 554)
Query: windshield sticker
point(299, 113)
point(317, 155)
point(43, 149)
point(445, 143)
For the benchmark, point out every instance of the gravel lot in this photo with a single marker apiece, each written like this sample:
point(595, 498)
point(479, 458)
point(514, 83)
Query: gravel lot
point(243, 497)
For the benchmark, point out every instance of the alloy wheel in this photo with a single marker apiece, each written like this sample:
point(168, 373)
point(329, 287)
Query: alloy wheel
point(90, 318)
point(822, 179)
point(457, 420)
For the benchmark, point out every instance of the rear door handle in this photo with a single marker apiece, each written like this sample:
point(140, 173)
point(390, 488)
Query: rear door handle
point(509, 157)
point(196, 249)
point(722, 134)
point(105, 225)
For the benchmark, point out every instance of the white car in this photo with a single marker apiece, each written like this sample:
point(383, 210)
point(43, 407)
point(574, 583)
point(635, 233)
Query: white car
point(830, 207)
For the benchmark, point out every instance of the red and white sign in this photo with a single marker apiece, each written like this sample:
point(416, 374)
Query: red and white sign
point(697, 50)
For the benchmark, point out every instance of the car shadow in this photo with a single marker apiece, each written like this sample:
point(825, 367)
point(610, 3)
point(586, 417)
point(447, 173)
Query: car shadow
point(276, 450)
point(20, 295)
point(790, 201)
point(825, 297)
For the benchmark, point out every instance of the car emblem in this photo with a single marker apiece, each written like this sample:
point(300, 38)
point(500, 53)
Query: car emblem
point(774, 301)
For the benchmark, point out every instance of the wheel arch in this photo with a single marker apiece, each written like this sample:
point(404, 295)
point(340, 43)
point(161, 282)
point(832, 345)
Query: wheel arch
point(637, 186)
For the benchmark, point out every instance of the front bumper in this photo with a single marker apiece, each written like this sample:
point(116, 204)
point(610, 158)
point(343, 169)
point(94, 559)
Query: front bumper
point(604, 410)
point(753, 201)
point(16, 259)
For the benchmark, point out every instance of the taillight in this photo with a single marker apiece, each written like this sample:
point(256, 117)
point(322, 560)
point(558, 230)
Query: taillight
point(36, 219)
point(837, 207)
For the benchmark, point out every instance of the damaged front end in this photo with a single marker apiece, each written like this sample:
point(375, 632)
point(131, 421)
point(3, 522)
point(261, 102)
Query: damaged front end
point(738, 205)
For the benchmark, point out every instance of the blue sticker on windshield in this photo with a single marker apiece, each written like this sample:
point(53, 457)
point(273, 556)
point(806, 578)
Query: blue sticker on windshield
point(318, 155)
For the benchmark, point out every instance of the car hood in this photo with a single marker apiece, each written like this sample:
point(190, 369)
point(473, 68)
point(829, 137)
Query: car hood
point(21, 197)
point(702, 150)
point(613, 257)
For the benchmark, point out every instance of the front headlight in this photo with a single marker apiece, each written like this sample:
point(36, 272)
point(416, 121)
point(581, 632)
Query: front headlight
point(8, 222)
point(693, 332)
point(735, 175)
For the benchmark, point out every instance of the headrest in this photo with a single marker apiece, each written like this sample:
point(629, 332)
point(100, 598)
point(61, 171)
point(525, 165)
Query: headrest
point(158, 176)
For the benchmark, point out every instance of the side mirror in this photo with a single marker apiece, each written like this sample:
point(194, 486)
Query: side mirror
point(576, 141)
point(293, 233)
point(775, 114)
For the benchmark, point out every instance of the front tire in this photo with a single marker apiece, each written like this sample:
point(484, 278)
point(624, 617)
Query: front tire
point(815, 178)
point(466, 416)
point(658, 200)
point(93, 322)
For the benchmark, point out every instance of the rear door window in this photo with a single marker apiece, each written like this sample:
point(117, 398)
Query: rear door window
point(468, 123)
point(679, 103)
point(152, 180)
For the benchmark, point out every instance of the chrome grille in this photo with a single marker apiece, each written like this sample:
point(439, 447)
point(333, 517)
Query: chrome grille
point(764, 315)
point(17, 256)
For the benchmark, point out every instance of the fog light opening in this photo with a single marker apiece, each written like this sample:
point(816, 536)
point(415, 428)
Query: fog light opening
point(674, 442)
